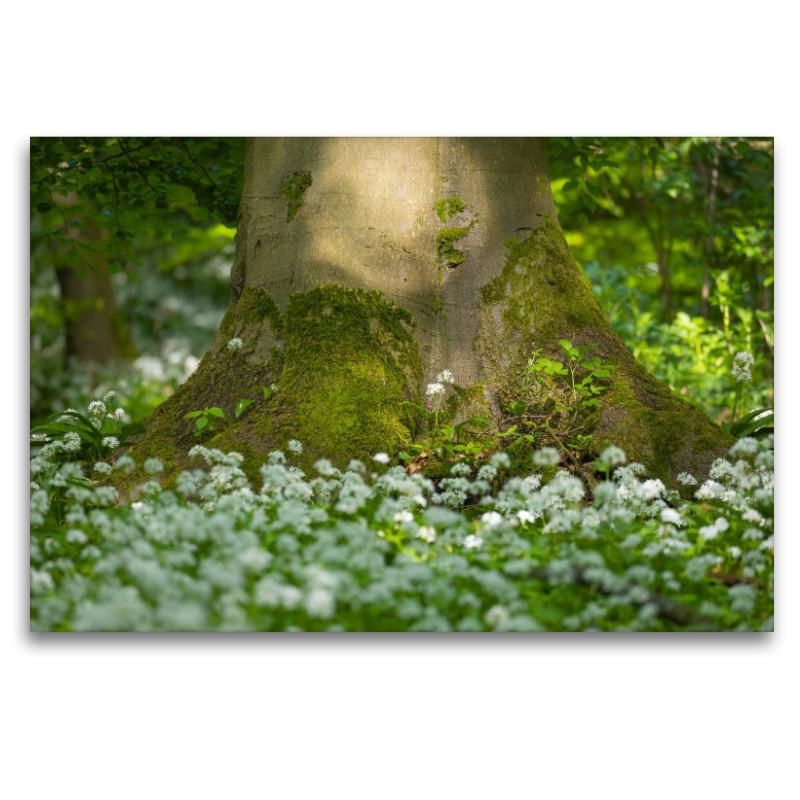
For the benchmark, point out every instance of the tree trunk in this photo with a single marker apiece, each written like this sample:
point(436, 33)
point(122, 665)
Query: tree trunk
point(364, 267)
point(95, 332)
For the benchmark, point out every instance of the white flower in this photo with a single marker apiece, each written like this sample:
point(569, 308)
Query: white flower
point(235, 344)
point(685, 479)
point(712, 531)
point(613, 456)
point(119, 413)
point(708, 532)
point(546, 456)
point(294, 446)
point(734, 551)
point(708, 491)
point(97, 408)
point(741, 367)
point(381, 458)
point(525, 516)
point(320, 603)
point(435, 388)
point(491, 518)
point(745, 446)
point(426, 533)
point(109, 396)
point(445, 376)
point(651, 489)
point(501, 460)
point(496, 616)
point(671, 516)
point(487, 472)
point(472, 541)
point(111, 442)
point(403, 516)
point(71, 443)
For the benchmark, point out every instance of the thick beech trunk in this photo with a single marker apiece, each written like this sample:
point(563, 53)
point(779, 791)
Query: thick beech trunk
point(365, 266)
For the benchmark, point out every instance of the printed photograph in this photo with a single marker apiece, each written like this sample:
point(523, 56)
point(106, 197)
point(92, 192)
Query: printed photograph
point(401, 384)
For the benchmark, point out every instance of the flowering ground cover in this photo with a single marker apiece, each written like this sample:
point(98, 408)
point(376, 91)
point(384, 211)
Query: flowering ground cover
point(373, 548)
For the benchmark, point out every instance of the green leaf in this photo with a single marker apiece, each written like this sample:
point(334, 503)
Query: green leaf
point(241, 406)
point(192, 414)
point(217, 412)
point(201, 423)
point(518, 408)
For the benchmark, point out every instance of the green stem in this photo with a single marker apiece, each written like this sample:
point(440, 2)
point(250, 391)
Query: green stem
point(736, 399)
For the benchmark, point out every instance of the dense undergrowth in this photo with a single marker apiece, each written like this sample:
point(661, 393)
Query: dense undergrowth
point(374, 548)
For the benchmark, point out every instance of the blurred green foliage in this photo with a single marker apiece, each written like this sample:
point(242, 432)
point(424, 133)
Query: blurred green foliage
point(676, 237)
point(165, 210)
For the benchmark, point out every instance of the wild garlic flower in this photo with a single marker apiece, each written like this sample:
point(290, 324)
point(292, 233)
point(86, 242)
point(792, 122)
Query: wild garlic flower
point(109, 396)
point(445, 376)
point(294, 446)
point(71, 443)
point(745, 447)
point(472, 541)
point(235, 344)
point(435, 388)
point(671, 516)
point(613, 456)
point(547, 456)
point(685, 479)
point(741, 367)
point(652, 489)
point(110, 442)
point(491, 518)
point(97, 408)
point(427, 534)
point(381, 458)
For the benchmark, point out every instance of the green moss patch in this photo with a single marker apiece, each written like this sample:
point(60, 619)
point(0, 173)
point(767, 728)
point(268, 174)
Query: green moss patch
point(446, 209)
point(445, 245)
point(293, 190)
point(350, 360)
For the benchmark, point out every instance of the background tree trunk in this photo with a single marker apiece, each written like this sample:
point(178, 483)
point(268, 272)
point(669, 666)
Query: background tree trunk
point(95, 331)
point(363, 267)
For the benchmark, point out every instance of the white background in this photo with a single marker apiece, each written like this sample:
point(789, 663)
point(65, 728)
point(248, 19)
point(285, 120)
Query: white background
point(458, 716)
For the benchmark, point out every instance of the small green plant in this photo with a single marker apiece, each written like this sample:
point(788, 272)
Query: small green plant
point(269, 391)
point(584, 393)
point(98, 434)
point(241, 407)
point(203, 419)
point(452, 447)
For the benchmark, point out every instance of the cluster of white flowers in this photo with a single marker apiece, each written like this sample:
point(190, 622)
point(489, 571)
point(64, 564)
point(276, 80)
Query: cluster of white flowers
point(434, 389)
point(741, 367)
point(346, 549)
point(235, 344)
point(445, 376)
